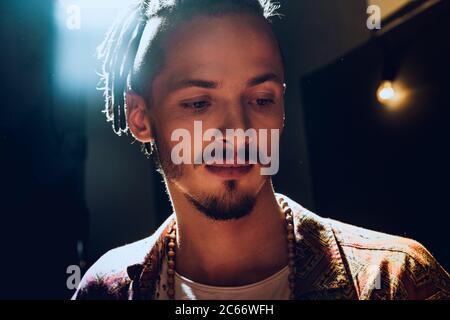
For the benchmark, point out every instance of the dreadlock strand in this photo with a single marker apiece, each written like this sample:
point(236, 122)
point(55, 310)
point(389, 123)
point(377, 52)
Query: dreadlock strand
point(118, 78)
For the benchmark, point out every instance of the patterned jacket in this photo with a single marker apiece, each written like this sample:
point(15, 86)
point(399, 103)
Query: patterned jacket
point(333, 260)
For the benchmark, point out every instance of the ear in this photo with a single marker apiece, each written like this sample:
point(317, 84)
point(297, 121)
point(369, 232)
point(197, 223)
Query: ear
point(137, 117)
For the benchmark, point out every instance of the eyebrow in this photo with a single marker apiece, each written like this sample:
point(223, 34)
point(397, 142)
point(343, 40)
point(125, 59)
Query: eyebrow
point(206, 84)
point(264, 78)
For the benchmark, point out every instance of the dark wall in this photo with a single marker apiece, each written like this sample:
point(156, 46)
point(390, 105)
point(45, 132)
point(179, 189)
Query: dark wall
point(41, 163)
point(379, 167)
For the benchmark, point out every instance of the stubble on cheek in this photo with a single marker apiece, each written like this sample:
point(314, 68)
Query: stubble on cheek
point(164, 164)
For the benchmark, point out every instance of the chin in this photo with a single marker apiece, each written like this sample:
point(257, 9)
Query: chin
point(230, 203)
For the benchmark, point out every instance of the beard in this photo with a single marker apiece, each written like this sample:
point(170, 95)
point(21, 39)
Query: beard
point(231, 204)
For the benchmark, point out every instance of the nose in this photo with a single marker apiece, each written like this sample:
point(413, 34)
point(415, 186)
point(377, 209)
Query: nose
point(236, 117)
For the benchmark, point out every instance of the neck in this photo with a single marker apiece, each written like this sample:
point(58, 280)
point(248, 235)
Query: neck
point(234, 252)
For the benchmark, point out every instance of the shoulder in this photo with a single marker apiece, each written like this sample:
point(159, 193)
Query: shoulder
point(389, 267)
point(372, 264)
point(110, 276)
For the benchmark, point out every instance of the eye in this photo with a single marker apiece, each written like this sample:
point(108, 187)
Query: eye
point(262, 102)
point(196, 105)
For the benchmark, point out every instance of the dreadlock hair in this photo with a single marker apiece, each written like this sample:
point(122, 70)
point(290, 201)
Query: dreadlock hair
point(132, 53)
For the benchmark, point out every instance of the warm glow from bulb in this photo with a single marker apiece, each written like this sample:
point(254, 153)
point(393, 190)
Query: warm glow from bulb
point(386, 92)
point(393, 95)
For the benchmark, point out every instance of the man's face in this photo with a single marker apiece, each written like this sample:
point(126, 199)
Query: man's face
point(226, 72)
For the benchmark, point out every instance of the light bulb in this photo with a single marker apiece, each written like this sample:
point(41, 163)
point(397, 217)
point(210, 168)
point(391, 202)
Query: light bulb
point(386, 92)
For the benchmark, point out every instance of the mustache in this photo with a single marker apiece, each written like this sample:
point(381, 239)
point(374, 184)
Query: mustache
point(227, 154)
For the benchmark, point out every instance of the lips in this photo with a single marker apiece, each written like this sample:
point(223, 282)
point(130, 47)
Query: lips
point(229, 171)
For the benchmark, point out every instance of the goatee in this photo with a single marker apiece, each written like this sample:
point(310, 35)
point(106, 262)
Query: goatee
point(228, 206)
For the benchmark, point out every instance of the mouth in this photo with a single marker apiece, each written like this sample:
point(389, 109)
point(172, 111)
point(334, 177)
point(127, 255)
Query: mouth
point(229, 171)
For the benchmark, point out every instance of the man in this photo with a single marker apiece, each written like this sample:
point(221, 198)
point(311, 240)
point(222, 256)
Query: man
point(218, 64)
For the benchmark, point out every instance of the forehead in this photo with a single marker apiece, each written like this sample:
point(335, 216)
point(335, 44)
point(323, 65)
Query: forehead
point(231, 46)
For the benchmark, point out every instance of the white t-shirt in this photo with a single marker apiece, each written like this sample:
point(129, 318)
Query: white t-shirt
point(275, 287)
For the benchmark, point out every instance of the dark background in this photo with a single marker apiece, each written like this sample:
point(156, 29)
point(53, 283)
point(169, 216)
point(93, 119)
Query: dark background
point(72, 190)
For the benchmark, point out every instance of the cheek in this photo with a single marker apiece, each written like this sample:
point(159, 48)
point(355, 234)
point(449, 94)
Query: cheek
point(272, 118)
point(182, 145)
point(279, 120)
